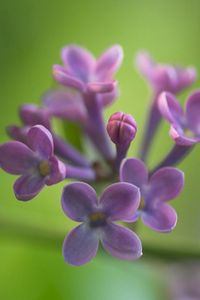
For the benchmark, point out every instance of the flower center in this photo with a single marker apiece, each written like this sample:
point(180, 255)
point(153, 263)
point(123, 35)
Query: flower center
point(188, 133)
point(142, 204)
point(97, 219)
point(44, 168)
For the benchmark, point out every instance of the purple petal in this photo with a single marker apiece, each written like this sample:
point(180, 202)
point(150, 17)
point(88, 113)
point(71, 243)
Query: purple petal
point(166, 184)
point(161, 218)
point(16, 158)
point(32, 115)
point(170, 108)
point(65, 105)
point(40, 140)
point(145, 64)
point(78, 201)
point(58, 171)
point(64, 78)
point(78, 61)
point(186, 76)
point(121, 242)
point(18, 133)
point(107, 99)
point(101, 87)
point(193, 112)
point(80, 245)
point(165, 78)
point(28, 186)
point(109, 63)
point(178, 135)
point(134, 171)
point(120, 201)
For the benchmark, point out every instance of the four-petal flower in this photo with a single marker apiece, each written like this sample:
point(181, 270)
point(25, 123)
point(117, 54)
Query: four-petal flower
point(119, 201)
point(185, 127)
point(35, 162)
point(162, 186)
point(83, 72)
point(164, 77)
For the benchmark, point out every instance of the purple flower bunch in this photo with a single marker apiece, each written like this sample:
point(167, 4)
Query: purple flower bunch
point(84, 87)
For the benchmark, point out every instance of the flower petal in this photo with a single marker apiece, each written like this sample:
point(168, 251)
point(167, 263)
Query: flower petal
point(78, 61)
point(134, 171)
point(186, 76)
point(145, 64)
point(16, 158)
point(102, 87)
point(80, 245)
point(121, 242)
point(170, 108)
point(166, 184)
point(65, 105)
point(58, 171)
point(28, 186)
point(107, 99)
point(78, 200)
point(66, 79)
point(120, 201)
point(40, 140)
point(162, 218)
point(180, 138)
point(193, 112)
point(32, 115)
point(109, 63)
point(18, 133)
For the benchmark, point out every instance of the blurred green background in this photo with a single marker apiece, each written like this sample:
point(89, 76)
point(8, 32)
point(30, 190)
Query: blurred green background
point(31, 35)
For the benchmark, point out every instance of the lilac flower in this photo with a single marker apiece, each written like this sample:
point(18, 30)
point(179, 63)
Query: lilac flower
point(164, 77)
point(33, 115)
point(65, 105)
point(162, 186)
point(118, 202)
point(93, 79)
point(83, 72)
point(185, 126)
point(70, 106)
point(122, 129)
point(36, 163)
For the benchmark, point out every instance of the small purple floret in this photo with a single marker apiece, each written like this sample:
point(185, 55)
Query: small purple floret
point(34, 162)
point(118, 202)
point(185, 126)
point(163, 186)
point(163, 77)
point(83, 72)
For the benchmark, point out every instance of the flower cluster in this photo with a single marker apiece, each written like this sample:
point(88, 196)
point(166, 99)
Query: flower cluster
point(84, 87)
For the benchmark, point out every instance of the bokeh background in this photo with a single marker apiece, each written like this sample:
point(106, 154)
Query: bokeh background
point(31, 35)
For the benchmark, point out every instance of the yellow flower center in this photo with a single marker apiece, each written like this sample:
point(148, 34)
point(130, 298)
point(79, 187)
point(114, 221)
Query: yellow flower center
point(97, 219)
point(142, 204)
point(44, 168)
point(189, 133)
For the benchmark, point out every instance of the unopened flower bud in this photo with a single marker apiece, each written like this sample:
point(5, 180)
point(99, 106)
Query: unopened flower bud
point(121, 128)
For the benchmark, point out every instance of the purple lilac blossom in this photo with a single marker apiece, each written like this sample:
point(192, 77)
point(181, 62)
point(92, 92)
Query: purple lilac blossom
point(162, 77)
point(33, 115)
point(119, 201)
point(35, 163)
point(163, 186)
point(184, 126)
point(65, 105)
point(121, 129)
point(93, 79)
point(82, 71)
